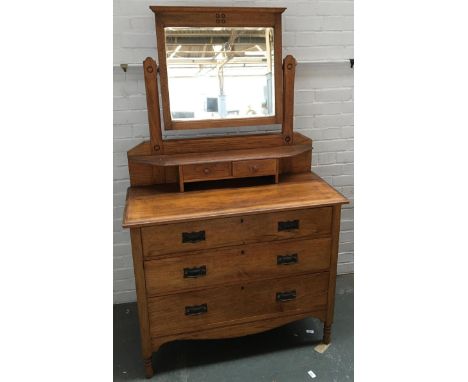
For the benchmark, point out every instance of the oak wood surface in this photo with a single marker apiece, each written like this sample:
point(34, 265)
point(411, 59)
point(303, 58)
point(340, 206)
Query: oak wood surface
point(203, 171)
point(233, 142)
point(140, 283)
point(142, 174)
point(232, 233)
point(158, 205)
point(237, 303)
point(178, 9)
point(222, 232)
point(289, 72)
point(222, 156)
point(333, 268)
point(238, 329)
point(167, 16)
point(232, 265)
point(254, 167)
point(152, 102)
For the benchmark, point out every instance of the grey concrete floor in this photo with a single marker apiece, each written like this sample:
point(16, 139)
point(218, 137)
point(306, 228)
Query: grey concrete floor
point(284, 354)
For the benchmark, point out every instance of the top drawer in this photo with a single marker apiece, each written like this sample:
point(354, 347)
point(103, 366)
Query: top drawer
point(203, 234)
point(206, 171)
point(249, 168)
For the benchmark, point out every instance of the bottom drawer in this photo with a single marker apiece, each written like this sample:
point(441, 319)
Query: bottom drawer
point(198, 310)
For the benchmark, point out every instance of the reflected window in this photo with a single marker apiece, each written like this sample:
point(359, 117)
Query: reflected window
point(218, 73)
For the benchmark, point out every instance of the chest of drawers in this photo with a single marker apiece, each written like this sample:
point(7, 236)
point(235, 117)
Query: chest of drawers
point(220, 263)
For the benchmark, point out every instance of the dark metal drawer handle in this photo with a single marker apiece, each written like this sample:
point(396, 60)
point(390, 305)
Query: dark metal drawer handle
point(288, 225)
point(287, 259)
point(193, 237)
point(195, 272)
point(286, 296)
point(196, 309)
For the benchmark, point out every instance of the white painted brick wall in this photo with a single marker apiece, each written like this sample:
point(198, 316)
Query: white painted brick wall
point(313, 30)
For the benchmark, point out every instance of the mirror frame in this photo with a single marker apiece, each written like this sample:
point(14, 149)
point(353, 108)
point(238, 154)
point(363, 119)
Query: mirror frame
point(168, 16)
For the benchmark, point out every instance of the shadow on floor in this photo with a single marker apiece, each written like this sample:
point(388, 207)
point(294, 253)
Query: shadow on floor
point(284, 354)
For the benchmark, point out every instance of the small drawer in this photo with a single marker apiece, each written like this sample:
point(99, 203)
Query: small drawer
point(203, 171)
point(207, 308)
point(196, 270)
point(248, 168)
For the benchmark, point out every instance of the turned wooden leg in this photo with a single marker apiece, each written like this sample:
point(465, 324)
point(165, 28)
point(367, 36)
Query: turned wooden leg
point(148, 367)
point(326, 333)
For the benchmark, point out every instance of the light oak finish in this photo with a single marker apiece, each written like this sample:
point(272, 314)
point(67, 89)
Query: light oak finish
point(195, 167)
point(289, 72)
point(138, 268)
point(239, 329)
point(167, 16)
point(221, 156)
point(258, 167)
point(228, 277)
point(234, 254)
point(236, 303)
point(230, 231)
point(205, 171)
point(231, 265)
point(150, 70)
point(148, 206)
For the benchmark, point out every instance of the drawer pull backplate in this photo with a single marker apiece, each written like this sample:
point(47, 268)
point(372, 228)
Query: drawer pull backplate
point(287, 259)
point(193, 237)
point(196, 310)
point(195, 272)
point(286, 296)
point(288, 225)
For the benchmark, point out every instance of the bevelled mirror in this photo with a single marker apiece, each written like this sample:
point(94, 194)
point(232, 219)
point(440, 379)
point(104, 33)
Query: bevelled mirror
point(219, 68)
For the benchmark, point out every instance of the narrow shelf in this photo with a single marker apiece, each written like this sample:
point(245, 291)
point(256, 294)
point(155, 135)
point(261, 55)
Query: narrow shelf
point(222, 156)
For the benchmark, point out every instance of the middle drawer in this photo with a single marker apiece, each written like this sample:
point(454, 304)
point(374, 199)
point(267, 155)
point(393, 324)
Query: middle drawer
point(234, 264)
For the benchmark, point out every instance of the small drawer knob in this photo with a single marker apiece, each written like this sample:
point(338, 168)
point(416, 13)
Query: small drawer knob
point(254, 168)
point(206, 170)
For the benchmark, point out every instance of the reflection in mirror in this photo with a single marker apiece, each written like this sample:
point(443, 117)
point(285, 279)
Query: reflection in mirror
point(218, 73)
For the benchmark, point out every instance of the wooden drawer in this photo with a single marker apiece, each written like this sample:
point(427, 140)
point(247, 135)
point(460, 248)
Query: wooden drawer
point(204, 171)
point(236, 264)
point(192, 311)
point(248, 168)
point(222, 232)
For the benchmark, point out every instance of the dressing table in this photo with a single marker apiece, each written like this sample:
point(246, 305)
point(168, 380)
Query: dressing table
point(231, 234)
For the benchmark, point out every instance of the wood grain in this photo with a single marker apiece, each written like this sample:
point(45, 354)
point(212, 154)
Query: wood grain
point(238, 329)
point(204, 171)
point(333, 269)
point(289, 72)
point(231, 265)
point(193, 10)
point(222, 242)
point(137, 252)
point(228, 231)
point(231, 304)
point(167, 16)
point(152, 101)
point(146, 206)
point(258, 167)
point(221, 156)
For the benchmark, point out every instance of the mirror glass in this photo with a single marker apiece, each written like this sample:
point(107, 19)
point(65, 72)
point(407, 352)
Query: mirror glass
point(220, 72)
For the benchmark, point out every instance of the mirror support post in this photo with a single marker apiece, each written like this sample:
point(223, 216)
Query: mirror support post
point(150, 69)
point(289, 72)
